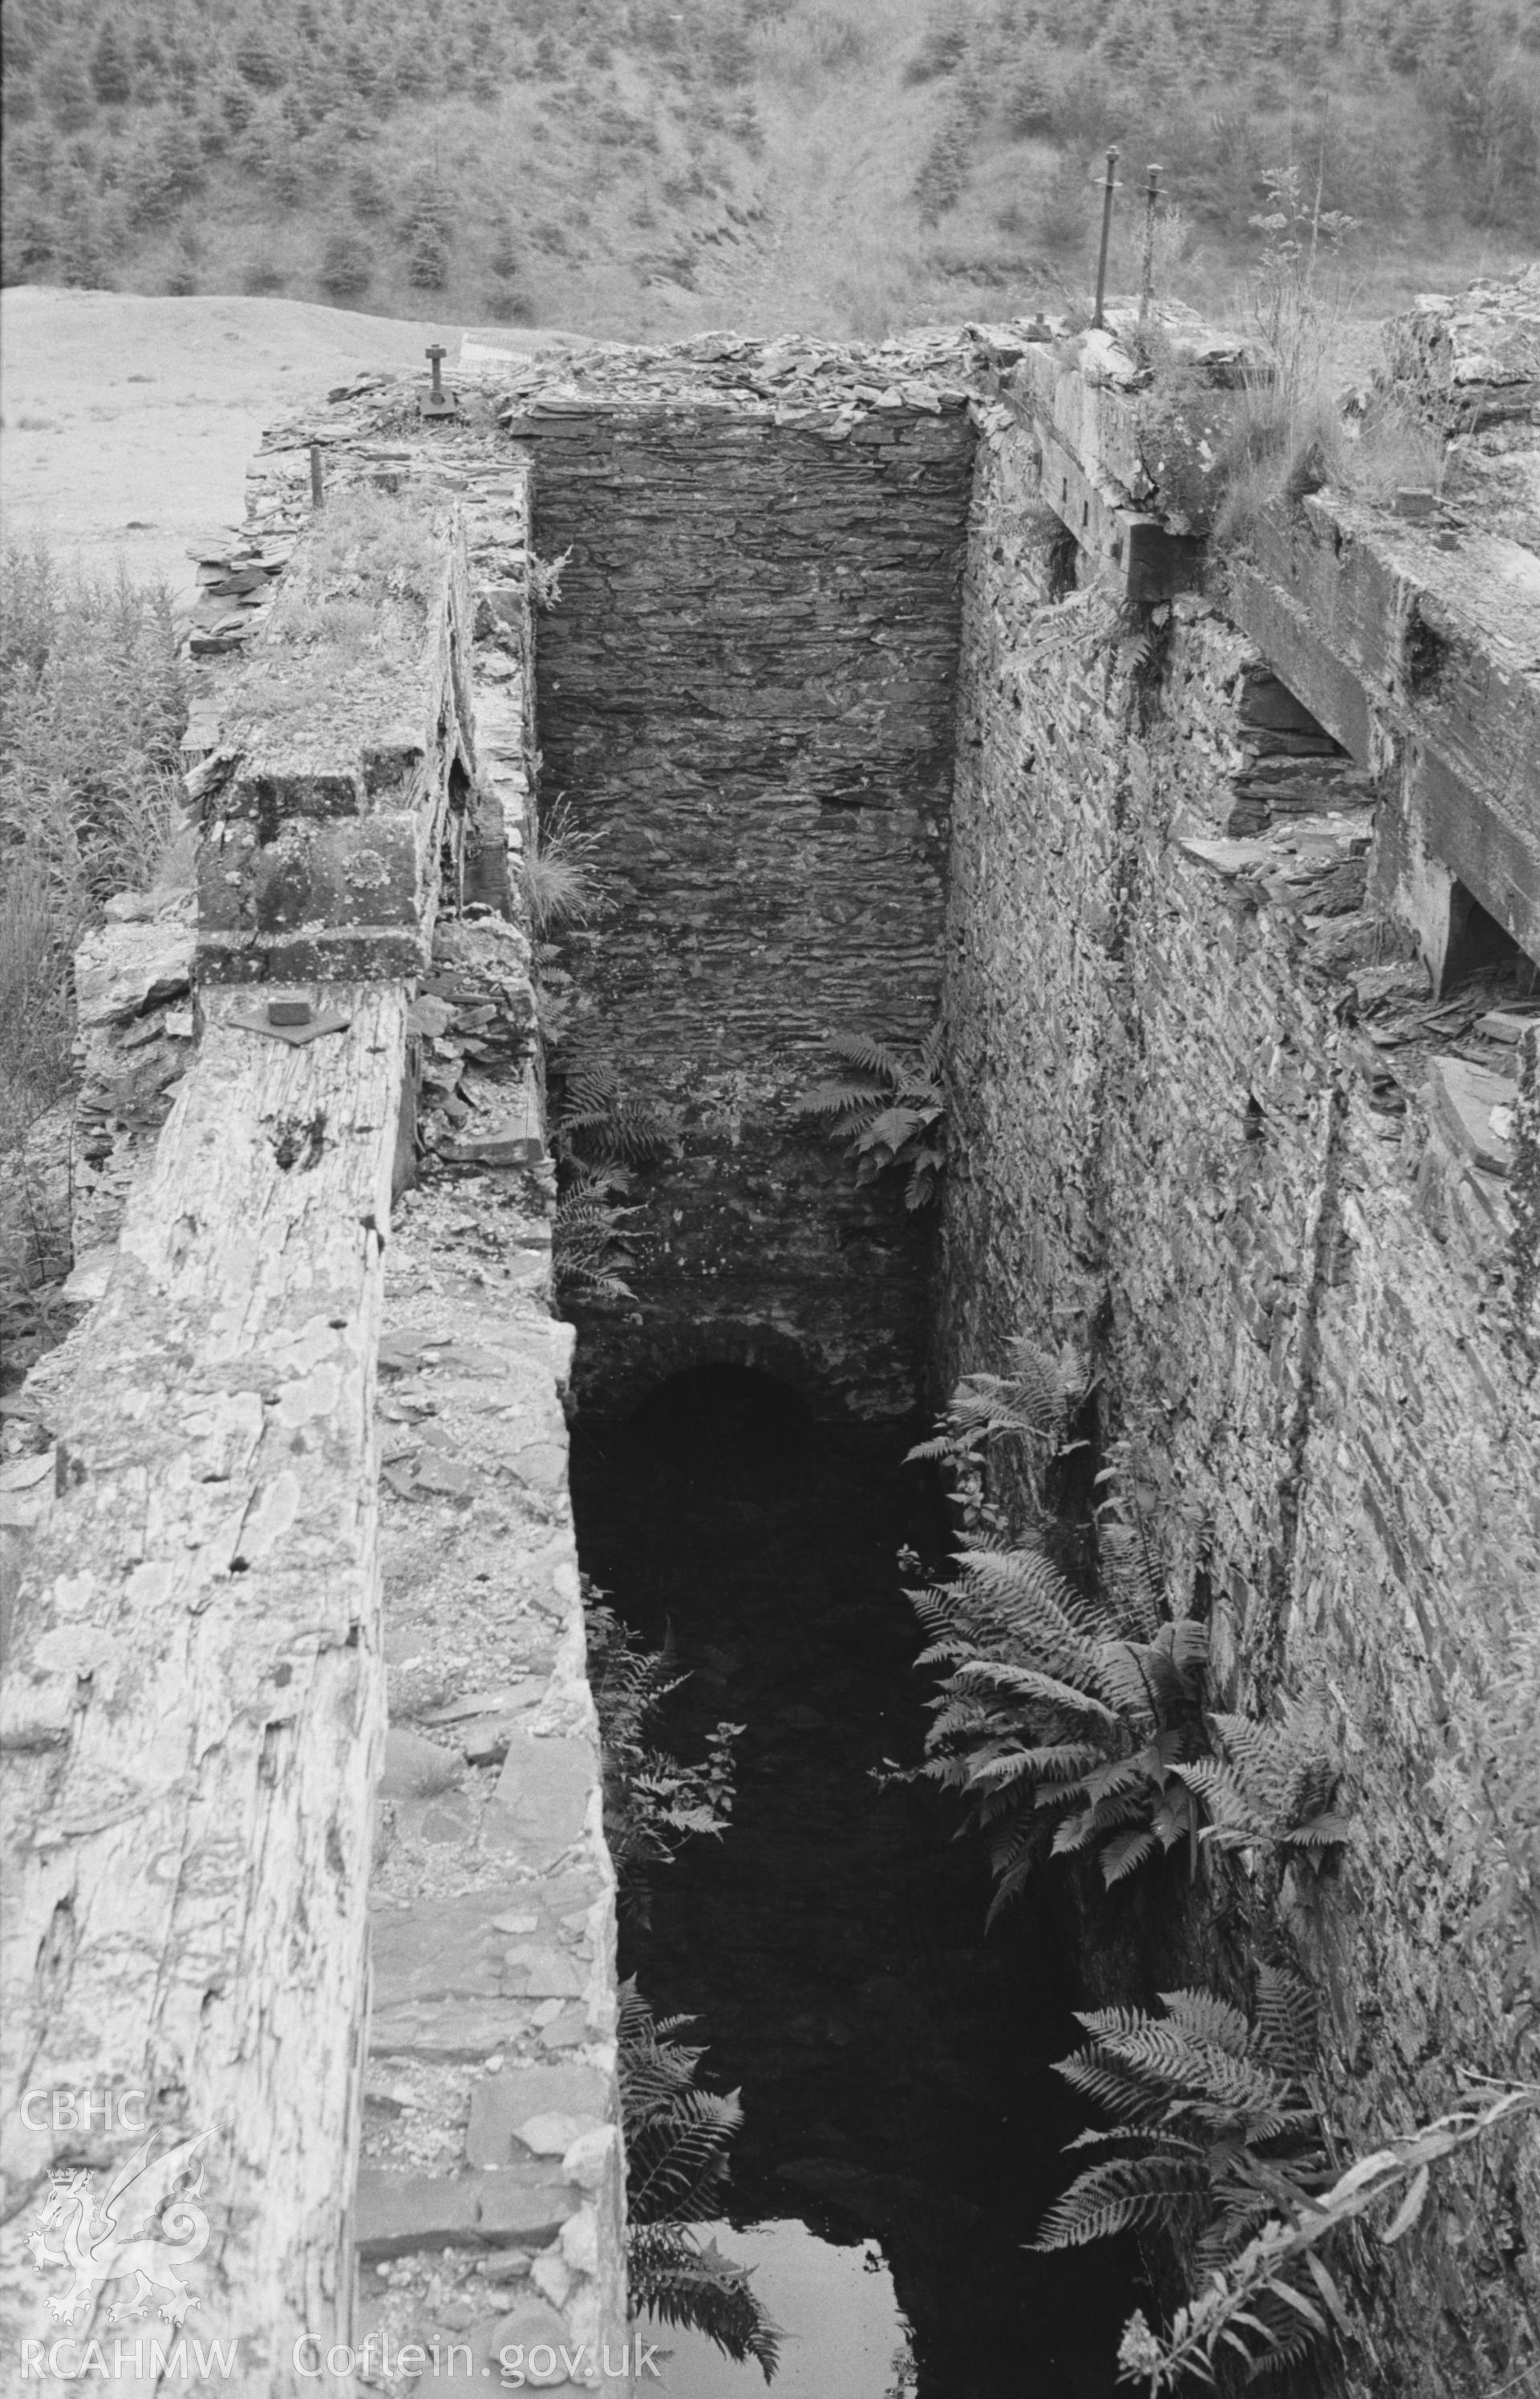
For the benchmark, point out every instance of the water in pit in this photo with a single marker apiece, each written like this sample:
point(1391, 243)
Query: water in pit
point(903, 2133)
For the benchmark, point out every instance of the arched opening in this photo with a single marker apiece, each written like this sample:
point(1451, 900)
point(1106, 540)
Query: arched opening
point(724, 1418)
point(902, 2130)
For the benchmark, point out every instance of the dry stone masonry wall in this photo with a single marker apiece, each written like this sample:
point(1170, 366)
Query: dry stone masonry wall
point(746, 697)
point(874, 680)
point(1214, 1116)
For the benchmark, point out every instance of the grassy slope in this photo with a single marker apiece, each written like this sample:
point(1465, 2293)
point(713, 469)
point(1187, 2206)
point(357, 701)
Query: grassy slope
point(624, 168)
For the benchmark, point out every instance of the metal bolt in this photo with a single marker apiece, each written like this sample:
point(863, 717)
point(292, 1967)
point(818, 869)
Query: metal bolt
point(438, 403)
point(317, 494)
point(1109, 188)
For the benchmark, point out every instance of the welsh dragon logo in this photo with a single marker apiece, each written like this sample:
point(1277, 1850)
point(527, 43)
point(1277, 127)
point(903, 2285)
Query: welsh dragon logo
point(98, 2253)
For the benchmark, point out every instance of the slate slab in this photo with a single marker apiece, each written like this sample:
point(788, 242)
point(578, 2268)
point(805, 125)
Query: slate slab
point(1468, 1100)
point(395, 2213)
point(500, 2103)
point(542, 1797)
point(439, 1949)
point(443, 2028)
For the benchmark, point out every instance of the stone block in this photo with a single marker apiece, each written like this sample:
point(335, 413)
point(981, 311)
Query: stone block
point(121, 969)
point(416, 1768)
point(393, 2213)
point(396, 2212)
point(525, 2204)
point(542, 1797)
point(500, 2103)
point(436, 1949)
point(1476, 1110)
point(443, 2029)
point(535, 1972)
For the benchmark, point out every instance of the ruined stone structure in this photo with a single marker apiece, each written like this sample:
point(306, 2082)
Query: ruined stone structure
point(879, 681)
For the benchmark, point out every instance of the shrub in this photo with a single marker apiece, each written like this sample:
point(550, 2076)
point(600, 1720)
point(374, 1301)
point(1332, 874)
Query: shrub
point(1064, 212)
point(68, 95)
point(165, 168)
point(93, 711)
point(368, 191)
point(1029, 104)
point(347, 266)
point(258, 61)
point(943, 48)
point(427, 261)
point(111, 76)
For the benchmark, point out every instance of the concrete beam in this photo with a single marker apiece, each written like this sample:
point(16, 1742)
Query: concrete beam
point(332, 795)
point(194, 1703)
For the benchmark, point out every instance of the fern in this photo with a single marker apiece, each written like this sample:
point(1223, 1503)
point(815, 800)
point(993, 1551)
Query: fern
point(654, 1802)
point(675, 2276)
point(1270, 1783)
point(887, 1111)
point(589, 1246)
point(1108, 2199)
point(1254, 2304)
point(597, 1126)
point(1221, 2132)
point(677, 2142)
point(1061, 1730)
point(1032, 1402)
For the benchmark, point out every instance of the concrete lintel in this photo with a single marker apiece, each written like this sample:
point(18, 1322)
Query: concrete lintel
point(1438, 808)
point(1151, 562)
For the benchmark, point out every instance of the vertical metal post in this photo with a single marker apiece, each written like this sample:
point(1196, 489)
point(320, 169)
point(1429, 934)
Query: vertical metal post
point(1109, 189)
point(317, 494)
point(1146, 282)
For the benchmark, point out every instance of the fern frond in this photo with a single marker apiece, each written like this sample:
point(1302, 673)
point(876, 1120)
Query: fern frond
point(1208, 2018)
point(1133, 1578)
point(1029, 1684)
point(1288, 2033)
point(1126, 1851)
point(1125, 2191)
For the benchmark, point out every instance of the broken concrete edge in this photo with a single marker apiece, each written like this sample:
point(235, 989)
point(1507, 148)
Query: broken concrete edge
point(322, 843)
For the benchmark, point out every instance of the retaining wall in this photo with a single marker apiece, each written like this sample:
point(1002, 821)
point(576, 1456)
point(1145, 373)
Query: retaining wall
point(746, 696)
point(1212, 1118)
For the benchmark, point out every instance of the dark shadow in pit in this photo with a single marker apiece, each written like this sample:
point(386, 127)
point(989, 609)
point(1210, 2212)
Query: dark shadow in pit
point(894, 2062)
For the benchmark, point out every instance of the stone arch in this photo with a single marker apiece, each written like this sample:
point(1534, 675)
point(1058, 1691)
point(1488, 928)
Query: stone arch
point(618, 1379)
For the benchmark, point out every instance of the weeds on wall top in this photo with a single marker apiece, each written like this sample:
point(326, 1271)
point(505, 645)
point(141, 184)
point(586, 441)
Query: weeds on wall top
point(1290, 435)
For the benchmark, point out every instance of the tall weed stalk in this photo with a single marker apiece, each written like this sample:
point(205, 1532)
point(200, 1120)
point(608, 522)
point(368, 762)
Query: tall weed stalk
point(92, 707)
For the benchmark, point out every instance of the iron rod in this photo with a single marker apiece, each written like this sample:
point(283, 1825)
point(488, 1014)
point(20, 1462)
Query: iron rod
point(1109, 189)
point(1146, 284)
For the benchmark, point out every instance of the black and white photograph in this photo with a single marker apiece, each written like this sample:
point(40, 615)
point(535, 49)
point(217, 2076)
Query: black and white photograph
point(770, 1199)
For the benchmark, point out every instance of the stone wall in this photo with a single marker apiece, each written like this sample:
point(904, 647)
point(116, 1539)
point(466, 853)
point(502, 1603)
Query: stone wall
point(746, 691)
point(229, 1558)
point(1209, 1112)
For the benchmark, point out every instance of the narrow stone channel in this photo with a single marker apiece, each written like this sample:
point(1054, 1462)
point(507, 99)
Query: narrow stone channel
point(901, 2123)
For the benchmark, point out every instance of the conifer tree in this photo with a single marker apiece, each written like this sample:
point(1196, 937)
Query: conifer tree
point(111, 76)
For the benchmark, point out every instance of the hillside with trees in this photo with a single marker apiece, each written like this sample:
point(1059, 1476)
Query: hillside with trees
point(637, 167)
